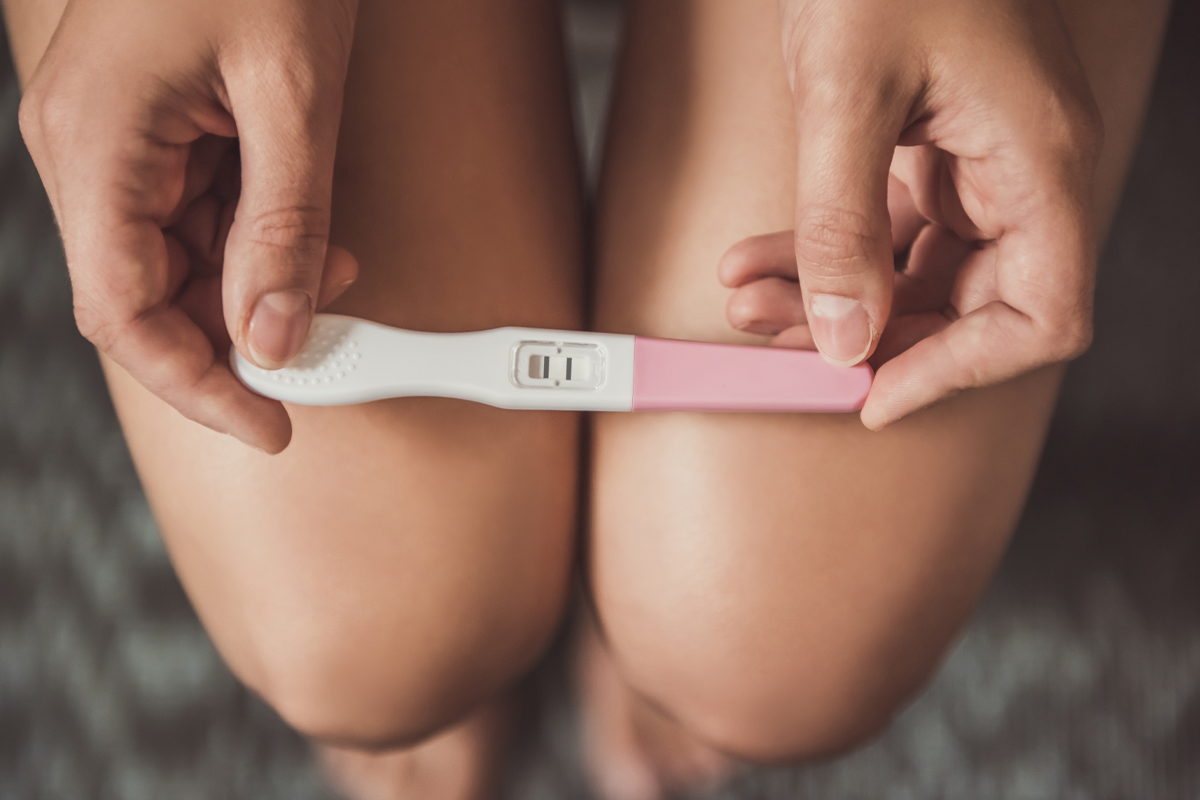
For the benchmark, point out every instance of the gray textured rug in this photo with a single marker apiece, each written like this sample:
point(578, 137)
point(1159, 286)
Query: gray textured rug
point(1078, 678)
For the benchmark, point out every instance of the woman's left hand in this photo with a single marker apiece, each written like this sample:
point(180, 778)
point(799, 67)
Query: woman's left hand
point(943, 212)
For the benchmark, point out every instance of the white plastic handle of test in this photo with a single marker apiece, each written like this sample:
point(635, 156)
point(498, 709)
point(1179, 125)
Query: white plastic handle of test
point(349, 360)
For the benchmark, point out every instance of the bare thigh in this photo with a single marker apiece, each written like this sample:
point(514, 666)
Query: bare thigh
point(401, 560)
point(781, 584)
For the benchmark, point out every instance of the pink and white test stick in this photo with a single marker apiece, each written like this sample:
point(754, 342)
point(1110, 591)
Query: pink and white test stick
point(349, 360)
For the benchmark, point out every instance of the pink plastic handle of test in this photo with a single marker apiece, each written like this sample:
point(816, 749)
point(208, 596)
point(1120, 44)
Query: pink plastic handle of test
point(716, 377)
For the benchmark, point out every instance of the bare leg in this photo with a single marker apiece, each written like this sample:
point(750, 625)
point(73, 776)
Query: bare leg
point(402, 562)
point(634, 750)
point(777, 586)
point(461, 762)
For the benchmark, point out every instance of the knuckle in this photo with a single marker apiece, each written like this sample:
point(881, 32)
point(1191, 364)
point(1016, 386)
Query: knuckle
point(295, 82)
point(29, 115)
point(97, 327)
point(1065, 326)
point(975, 336)
point(294, 59)
point(832, 241)
point(46, 115)
point(1075, 126)
point(1084, 130)
point(300, 228)
point(1071, 340)
point(1089, 124)
point(825, 61)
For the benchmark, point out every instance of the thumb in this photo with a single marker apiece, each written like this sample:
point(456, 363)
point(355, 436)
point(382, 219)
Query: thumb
point(842, 228)
point(278, 244)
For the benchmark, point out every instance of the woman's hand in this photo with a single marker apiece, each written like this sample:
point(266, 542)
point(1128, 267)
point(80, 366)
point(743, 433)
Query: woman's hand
point(943, 212)
point(187, 148)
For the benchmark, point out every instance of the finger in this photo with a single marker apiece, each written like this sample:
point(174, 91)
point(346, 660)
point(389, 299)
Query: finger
point(766, 306)
point(906, 219)
point(764, 256)
point(201, 301)
point(951, 361)
point(204, 225)
point(925, 172)
point(975, 285)
point(129, 318)
point(206, 156)
point(276, 250)
point(199, 229)
point(928, 279)
point(1041, 319)
point(847, 129)
point(1025, 298)
point(115, 183)
point(904, 331)
point(341, 271)
point(795, 338)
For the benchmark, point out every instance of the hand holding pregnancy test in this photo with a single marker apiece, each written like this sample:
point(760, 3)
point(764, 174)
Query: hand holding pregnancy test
point(349, 360)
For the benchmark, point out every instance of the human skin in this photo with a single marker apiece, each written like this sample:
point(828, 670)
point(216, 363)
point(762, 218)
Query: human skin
point(1000, 136)
point(400, 561)
point(136, 153)
point(388, 572)
point(776, 587)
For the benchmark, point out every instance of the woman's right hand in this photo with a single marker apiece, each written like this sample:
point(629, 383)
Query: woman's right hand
point(187, 149)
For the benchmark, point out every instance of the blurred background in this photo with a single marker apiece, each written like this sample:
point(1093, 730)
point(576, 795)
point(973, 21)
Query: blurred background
point(1079, 676)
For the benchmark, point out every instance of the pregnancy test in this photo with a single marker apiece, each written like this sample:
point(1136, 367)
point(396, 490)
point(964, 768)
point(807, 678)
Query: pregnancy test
point(349, 360)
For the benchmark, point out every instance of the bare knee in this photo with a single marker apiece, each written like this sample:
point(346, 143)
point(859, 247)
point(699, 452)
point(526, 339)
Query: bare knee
point(778, 724)
point(772, 671)
point(758, 707)
point(780, 675)
point(382, 637)
point(389, 679)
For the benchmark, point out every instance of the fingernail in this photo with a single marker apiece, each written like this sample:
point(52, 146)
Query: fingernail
point(278, 327)
point(840, 327)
